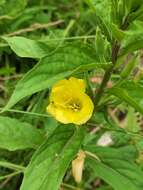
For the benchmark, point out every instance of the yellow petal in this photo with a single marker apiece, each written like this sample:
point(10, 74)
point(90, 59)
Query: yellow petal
point(77, 83)
point(57, 86)
point(82, 116)
point(69, 103)
point(57, 113)
point(72, 82)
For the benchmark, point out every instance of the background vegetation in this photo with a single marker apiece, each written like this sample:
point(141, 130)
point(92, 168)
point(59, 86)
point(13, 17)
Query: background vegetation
point(43, 41)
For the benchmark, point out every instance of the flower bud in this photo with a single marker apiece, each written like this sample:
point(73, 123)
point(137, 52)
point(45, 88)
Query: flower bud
point(78, 165)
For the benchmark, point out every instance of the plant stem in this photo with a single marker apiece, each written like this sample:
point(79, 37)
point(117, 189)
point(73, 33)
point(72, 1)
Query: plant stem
point(11, 166)
point(71, 186)
point(26, 112)
point(10, 175)
point(107, 75)
point(92, 155)
point(34, 27)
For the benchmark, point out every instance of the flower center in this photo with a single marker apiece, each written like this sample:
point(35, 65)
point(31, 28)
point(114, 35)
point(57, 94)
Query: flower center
point(74, 106)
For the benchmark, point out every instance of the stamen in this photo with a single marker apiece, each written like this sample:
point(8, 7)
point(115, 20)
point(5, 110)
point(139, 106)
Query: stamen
point(74, 107)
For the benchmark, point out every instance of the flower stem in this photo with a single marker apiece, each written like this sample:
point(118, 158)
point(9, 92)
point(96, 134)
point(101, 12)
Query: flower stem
point(107, 75)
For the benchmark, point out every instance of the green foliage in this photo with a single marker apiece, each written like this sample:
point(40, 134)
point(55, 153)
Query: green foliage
point(54, 154)
point(133, 38)
point(6, 7)
point(45, 74)
point(17, 135)
point(117, 166)
point(42, 42)
point(122, 171)
point(24, 47)
point(131, 93)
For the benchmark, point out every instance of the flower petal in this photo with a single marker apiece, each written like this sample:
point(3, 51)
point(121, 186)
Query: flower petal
point(77, 83)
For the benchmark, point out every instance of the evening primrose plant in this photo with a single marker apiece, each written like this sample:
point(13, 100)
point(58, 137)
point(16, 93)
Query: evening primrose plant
point(74, 115)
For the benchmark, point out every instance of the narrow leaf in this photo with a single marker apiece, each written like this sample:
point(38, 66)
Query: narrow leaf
point(133, 39)
point(25, 47)
point(131, 93)
point(117, 167)
point(116, 177)
point(51, 160)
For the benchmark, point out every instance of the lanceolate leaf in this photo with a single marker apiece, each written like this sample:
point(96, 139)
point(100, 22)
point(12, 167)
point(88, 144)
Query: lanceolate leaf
point(65, 62)
point(119, 178)
point(117, 167)
point(16, 135)
point(130, 92)
point(133, 39)
point(51, 160)
point(25, 47)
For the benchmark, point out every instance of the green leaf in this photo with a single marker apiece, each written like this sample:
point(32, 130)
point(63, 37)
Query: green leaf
point(135, 8)
point(16, 135)
point(130, 92)
point(117, 33)
point(50, 124)
point(2, 2)
point(137, 15)
point(131, 121)
point(104, 188)
point(102, 46)
point(127, 152)
point(117, 167)
point(99, 7)
point(65, 62)
point(6, 7)
point(121, 138)
point(51, 160)
point(132, 5)
point(25, 47)
point(102, 14)
point(126, 176)
point(128, 68)
point(133, 39)
point(139, 146)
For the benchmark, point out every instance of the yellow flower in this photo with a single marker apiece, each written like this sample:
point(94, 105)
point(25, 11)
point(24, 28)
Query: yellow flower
point(69, 103)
